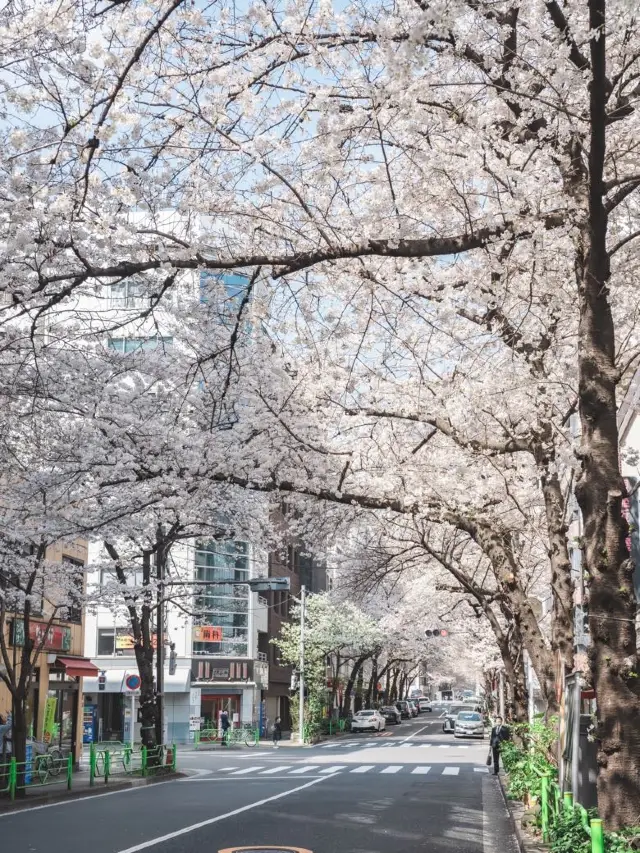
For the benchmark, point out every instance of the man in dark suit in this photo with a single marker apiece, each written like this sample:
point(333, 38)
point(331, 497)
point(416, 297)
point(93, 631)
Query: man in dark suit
point(499, 733)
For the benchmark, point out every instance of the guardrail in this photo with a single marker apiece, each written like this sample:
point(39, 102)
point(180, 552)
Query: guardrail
point(114, 759)
point(42, 771)
point(553, 803)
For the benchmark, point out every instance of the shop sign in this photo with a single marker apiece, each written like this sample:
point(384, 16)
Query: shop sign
point(261, 675)
point(44, 636)
point(222, 670)
point(195, 723)
point(207, 634)
point(125, 642)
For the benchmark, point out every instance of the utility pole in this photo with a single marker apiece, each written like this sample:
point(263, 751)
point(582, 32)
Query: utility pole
point(301, 679)
point(160, 561)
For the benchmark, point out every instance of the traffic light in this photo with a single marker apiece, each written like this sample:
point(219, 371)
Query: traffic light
point(102, 680)
point(436, 632)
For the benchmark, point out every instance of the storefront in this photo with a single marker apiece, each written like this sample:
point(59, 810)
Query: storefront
point(226, 685)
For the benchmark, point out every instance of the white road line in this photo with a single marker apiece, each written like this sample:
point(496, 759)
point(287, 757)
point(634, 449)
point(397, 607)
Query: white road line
point(451, 771)
point(276, 769)
point(246, 770)
point(364, 768)
point(154, 841)
point(330, 745)
point(420, 770)
point(334, 769)
point(409, 745)
point(480, 769)
point(444, 746)
point(349, 745)
point(417, 732)
point(304, 769)
point(393, 768)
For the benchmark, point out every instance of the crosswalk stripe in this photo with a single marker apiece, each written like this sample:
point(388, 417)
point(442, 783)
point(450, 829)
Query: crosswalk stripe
point(451, 771)
point(329, 745)
point(444, 745)
point(392, 768)
point(334, 769)
point(245, 770)
point(305, 769)
point(480, 769)
point(223, 769)
point(276, 769)
point(420, 770)
point(349, 745)
point(364, 768)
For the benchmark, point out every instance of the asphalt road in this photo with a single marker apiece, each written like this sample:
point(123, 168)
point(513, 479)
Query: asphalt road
point(408, 790)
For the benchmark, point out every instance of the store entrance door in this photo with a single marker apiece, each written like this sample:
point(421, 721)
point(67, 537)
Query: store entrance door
point(211, 707)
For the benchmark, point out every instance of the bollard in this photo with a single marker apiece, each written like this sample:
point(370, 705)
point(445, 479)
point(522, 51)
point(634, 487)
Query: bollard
point(13, 778)
point(597, 836)
point(174, 763)
point(143, 752)
point(107, 765)
point(568, 800)
point(92, 765)
point(69, 771)
point(544, 806)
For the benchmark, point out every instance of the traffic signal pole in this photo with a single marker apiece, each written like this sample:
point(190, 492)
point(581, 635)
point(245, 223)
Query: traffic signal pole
point(303, 592)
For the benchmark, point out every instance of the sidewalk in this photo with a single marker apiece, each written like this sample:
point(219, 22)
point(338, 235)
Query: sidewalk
point(528, 842)
point(81, 788)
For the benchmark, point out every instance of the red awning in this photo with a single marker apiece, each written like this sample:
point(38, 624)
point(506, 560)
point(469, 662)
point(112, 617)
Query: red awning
point(78, 667)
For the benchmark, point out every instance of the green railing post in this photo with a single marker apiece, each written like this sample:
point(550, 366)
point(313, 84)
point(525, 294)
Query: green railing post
point(143, 752)
point(13, 778)
point(597, 836)
point(567, 800)
point(196, 739)
point(69, 771)
point(544, 806)
point(107, 765)
point(92, 765)
point(174, 758)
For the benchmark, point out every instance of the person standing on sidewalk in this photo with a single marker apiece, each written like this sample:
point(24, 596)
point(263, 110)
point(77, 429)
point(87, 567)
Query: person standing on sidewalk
point(277, 732)
point(499, 733)
point(225, 726)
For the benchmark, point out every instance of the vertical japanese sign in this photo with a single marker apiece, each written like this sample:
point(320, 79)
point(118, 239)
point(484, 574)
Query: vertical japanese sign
point(50, 719)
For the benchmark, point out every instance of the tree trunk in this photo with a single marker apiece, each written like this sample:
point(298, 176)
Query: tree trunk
point(19, 741)
point(394, 686)
point(372, 692)
point(346, 696)
point(600, 488)
point(148, 704)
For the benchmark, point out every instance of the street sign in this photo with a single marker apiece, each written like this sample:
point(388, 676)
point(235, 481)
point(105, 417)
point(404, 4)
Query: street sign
point(195, 723)
point(133, 681)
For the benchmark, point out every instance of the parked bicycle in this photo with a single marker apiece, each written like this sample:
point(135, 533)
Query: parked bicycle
point(49, 761)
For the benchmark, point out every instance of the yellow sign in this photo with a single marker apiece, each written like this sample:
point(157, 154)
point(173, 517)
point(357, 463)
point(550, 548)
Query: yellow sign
point(49, 719)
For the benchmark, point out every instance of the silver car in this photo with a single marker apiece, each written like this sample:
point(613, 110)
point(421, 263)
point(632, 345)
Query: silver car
point(469, 724)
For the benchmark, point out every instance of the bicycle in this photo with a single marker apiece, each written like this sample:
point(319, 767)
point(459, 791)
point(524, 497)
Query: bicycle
point(50, 763)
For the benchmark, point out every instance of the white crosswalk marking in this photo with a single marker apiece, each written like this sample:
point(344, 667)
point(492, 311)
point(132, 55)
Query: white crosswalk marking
point(305, 769)
point(349, 745)
point(276, 769)
point(444, 745)
point(245, 770)
point(451, 771)
point(223, 769)
point(420, 770)
point(480, 769)
point(362, 769)
point(408, 745)
point(334, 769)
point(392, 768)
point(329, 745)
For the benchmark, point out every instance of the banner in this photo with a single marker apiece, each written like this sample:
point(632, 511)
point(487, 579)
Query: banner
point(49, 727)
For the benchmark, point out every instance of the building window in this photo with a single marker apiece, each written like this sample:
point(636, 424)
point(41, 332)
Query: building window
point(224, 606)
point(73, 612)
point(127, 294)
point(106, 641)
point(128, 345)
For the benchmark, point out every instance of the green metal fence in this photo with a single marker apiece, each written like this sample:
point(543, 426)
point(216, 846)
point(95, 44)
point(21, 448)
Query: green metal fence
point(107, 761)
point(553, 804)
point(42, 771)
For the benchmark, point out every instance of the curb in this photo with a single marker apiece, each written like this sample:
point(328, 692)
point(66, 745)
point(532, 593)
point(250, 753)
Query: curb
point(11, 806)
point(516, 810)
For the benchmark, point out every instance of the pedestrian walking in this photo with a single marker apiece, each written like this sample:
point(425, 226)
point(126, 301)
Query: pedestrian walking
point(499, 734)
point(225, 726)
point(277, 732)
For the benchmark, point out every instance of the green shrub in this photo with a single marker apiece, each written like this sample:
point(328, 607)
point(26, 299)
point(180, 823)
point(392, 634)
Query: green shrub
point(568, 835)
point(528, 755)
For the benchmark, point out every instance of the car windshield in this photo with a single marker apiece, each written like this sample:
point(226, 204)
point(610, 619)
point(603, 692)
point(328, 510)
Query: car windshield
point(390, 710)
point(470, 716)
point(365, 713)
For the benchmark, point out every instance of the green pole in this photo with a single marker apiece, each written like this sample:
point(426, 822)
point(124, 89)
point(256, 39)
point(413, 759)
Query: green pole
point(69, 771)
point(107, 765)
point(568, 800)
point(144, 760)
point(544, 807)
point(13, 778)
point(597, 837)
point(92, 765)
point(196, 739)
point(174, 759)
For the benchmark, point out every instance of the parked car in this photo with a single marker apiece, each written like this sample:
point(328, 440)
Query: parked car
point(424, 705)
point(449, 723)
point(391, 714)
point(368, 721)
point(405, 710)
point(415, 710)
point(469, 724)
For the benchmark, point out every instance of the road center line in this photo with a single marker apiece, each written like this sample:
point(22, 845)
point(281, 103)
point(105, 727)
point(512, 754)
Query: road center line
point(186, 829)
point(415, 733)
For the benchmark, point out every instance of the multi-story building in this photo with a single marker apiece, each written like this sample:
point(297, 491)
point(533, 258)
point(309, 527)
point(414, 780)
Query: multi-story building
point(54, 706)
